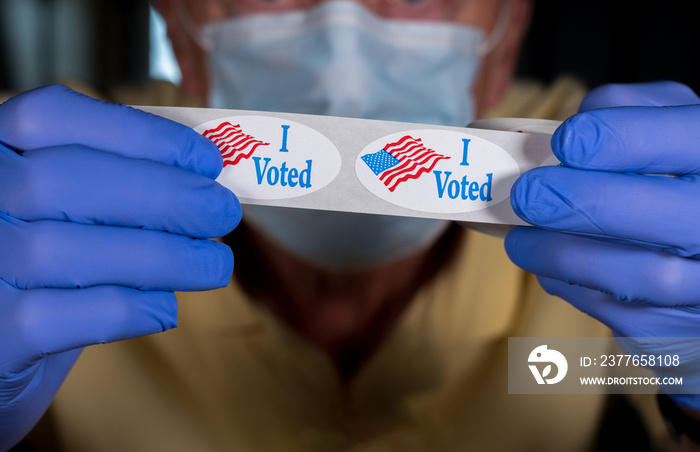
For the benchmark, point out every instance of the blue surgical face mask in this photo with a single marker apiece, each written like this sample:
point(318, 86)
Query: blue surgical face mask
point(340, 59)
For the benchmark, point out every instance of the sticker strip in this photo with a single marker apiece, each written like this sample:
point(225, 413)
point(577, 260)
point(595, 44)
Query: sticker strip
point(368, 166)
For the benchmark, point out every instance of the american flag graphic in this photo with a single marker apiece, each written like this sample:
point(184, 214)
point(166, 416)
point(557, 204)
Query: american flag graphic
point(233, 143)
point(402, 160)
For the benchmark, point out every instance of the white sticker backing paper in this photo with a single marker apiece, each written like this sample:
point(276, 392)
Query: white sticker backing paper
point(368, 166)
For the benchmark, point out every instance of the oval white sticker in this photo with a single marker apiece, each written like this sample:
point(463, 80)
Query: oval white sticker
point(437, 171)
point(271, 158)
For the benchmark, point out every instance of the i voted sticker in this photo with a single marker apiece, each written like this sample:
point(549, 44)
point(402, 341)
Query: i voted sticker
point(437, 171)
point(271, 158)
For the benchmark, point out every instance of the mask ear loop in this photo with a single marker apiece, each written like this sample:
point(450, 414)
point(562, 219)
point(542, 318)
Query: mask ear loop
point(190, 27)
point(499, 29)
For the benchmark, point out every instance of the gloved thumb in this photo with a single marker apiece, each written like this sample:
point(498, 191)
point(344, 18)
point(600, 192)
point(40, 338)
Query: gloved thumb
point(654, 94)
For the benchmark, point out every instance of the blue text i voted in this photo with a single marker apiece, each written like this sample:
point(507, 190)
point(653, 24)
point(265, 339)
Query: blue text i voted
point(285, 128)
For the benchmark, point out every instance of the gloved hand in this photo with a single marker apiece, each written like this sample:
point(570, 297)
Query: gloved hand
point(103, 213)
point(619, 238)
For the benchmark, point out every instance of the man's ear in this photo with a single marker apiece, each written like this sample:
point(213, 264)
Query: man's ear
point(498, 66)
point(190, 56)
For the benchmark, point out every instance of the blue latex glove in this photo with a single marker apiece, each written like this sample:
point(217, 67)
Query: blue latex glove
point(630, 258)
point(104, 211)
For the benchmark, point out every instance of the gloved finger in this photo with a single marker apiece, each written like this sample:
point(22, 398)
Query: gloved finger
point(36, 386)
point(57, 115)
point(650, 94)
point(78, 184)
point(650, 211)
point(628, 273)
point(651, 140)
point(59, 254)
point(645, 323)
point(39, 322)
point(627, 319)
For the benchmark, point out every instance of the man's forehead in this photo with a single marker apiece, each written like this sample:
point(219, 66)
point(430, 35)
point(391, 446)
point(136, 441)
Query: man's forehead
point(479, 13)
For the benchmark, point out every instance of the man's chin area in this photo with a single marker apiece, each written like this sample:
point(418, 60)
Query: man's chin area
point(345, 313)
point(334, 321)
point(344, 331)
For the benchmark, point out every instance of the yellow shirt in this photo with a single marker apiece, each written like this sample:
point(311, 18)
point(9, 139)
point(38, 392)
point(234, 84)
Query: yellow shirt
point(232, 377)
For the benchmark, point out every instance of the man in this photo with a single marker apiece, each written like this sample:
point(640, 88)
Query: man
point(106, 211)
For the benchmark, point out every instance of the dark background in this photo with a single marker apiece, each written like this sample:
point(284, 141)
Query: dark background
point(105, 42)
point(600, 41)
point(614, 41)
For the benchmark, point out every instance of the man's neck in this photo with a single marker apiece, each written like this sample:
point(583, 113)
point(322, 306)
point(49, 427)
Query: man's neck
point(345, 313)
